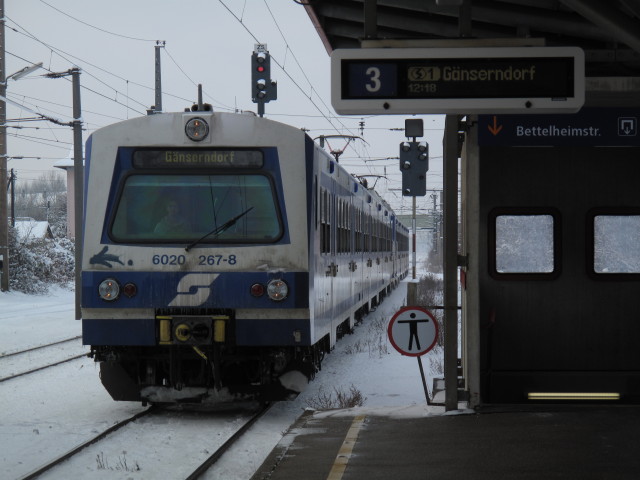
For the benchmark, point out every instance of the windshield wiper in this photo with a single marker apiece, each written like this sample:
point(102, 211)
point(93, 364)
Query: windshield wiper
point(220, 229)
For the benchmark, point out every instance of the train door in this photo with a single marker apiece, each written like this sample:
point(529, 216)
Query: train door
point(357, 249)
point(394, 247)
point(360, 275)
point(342, 275)
point(368, 255)
point(559, 273)
point(326, 260)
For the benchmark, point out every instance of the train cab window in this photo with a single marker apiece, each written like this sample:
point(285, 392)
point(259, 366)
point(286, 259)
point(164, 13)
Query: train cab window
point(615, 248)
point(524, 244)
point(157, 208)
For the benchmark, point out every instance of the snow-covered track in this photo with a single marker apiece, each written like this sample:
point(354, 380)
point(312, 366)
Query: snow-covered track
point(184, 432)
point(37, 369)
point(34, 359)
point(97, 438)
point(213, 458)
point(32, 349)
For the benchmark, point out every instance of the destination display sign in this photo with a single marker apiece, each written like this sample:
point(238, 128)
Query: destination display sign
point(197, 158)
point(457, 80)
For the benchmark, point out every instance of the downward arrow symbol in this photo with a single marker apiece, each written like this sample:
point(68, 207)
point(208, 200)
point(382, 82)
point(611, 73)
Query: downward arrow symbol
point(495, 129)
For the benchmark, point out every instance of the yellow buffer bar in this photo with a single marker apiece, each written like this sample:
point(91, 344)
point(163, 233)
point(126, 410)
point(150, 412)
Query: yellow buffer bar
point(219, 328)
point(165, 330)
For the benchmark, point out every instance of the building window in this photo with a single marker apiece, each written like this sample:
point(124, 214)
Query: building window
point(616, 245)
point(524, 243)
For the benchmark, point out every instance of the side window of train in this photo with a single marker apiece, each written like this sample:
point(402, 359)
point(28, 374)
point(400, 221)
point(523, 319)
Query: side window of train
point(524, 243)
point(325, 232)
point(613, 247)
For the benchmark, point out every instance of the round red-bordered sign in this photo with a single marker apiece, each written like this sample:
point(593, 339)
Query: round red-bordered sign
point(413, 331)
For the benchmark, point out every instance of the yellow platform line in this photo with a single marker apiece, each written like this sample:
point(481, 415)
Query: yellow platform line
point(344, 454)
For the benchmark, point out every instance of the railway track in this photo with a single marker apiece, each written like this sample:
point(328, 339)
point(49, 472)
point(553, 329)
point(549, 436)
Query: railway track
point(197, 472)
point(48, 466)
point(213, 458)
point(34, 359)
point(39, 347)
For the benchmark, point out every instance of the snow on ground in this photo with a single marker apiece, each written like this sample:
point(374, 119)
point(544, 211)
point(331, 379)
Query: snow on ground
point(32, 320)
point(52, 411)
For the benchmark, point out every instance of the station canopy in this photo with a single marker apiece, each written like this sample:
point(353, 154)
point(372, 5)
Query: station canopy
point(608, 32)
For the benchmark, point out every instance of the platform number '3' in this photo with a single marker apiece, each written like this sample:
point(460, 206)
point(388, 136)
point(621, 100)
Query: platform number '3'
point(374, 79)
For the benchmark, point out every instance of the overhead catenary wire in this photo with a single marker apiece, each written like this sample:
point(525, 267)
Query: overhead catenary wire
point(77, 61)
point(63, 53)
point(60, 53)
point(95, 27)
point(288, 47)
point(226, 107)
point(83, 63)
point(50, 143)
point(327, 117)
point(16, 97)
point(120, 95)
point(293, 54)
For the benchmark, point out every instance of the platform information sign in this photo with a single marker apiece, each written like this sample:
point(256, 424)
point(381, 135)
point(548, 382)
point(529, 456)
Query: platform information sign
point(457, 80)
point(413, 331)
point(590, 127)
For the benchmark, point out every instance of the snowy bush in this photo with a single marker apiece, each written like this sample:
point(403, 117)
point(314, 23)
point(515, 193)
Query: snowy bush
point(35, 266)
point(37, 263)
point(338, 399)
point(375, 341)
point(122, 465)
point(430, 294)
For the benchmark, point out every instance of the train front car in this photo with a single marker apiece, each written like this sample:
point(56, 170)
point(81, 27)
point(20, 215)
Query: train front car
point(195, 272)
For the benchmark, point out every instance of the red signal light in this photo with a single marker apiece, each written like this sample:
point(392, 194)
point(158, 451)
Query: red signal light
point(257, 290)
point(260, 68)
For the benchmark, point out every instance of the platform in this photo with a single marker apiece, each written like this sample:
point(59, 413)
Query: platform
point(578, 442)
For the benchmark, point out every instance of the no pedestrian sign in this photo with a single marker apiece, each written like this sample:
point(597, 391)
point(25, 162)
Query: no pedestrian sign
point(413, 331)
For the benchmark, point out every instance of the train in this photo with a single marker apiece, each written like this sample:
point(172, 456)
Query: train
point(224, 254)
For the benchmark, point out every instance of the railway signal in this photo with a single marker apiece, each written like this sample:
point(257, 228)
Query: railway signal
point(414, 161)
point(263, 89)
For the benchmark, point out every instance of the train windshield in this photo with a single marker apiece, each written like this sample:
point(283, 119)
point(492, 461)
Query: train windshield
point(155, 208)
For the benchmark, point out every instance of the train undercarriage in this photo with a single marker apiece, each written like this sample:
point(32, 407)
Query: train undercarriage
point(216, 373)
point(197, 361)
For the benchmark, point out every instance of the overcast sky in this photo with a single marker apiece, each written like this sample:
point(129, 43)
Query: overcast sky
point(208, 42)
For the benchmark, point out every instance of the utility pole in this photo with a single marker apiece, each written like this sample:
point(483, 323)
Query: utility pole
point(4, 218)
point(78, 175)
point(78, 166)
point(158, 106)
point(12, 182)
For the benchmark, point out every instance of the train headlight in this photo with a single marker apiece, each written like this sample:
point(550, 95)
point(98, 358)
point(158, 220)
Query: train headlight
point(277, 290)
point(196, 129)
point(109, 290)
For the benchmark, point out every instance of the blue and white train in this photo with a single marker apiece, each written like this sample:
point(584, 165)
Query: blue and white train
point(222, 252)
